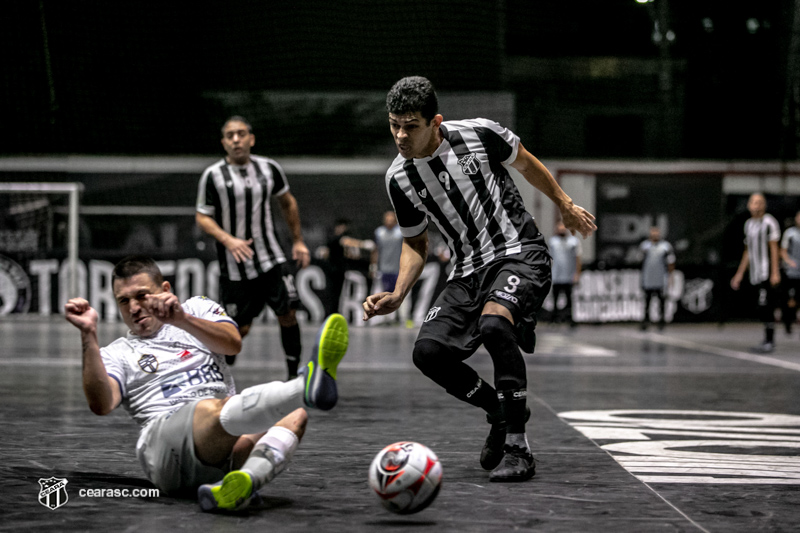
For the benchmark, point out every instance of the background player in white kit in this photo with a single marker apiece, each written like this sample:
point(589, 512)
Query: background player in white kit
point(658, 262)
point(169, 373)
point(566, 251)
point(790, 254)
point(760, 256)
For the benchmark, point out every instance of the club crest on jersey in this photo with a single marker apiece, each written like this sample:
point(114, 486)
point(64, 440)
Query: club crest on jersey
point(469, 164)
point(53, 492)
point(432, 313)
point(423, 193)
point(148, 363)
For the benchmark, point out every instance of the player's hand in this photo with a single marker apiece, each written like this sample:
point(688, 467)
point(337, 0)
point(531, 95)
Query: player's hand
point(775, 279)
point(578, 219)
point(382, 303)
point(165, 306)
point(81, 315)
point(790, 263)
point(239, 248)
point(736, 282)
point(301, 254)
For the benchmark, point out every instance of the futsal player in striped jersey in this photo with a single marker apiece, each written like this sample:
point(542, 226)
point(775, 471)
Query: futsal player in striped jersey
point(455, 174)
point(760, 256)
point(233, 206)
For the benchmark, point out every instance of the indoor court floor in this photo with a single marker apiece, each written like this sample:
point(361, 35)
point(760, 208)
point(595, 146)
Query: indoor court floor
point(680, 430)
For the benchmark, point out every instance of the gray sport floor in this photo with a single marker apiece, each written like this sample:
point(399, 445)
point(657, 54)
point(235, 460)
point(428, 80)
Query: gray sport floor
point(676, 431)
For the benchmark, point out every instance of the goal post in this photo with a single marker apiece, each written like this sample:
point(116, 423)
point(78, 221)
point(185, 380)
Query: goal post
point(73, 191)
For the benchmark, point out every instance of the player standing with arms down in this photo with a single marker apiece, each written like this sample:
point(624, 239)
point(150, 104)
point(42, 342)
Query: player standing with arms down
point(233, 206)
point(566, 251)
point(790, 254)
point(170, 375)
point(454, 173)
point(761, 236)
point(658, 263)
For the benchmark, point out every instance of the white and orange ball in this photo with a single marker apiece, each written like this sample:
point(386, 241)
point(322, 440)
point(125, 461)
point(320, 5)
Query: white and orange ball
point(406, 476)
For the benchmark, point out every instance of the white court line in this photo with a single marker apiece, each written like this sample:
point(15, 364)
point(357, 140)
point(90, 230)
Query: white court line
point(754, 358)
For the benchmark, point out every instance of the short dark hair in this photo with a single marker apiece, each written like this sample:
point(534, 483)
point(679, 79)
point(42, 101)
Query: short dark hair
point(412, 94)
point(137, 264)
point(236, 118)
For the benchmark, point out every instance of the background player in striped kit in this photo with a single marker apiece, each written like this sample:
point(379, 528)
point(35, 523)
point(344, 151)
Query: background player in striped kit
point(233, 206)
point(761, 236)
point(658, 262)
point(566, 251)
point(790, 253)
point(454, 174)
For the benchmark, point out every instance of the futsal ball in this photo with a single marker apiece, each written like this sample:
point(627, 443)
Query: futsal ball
point(406, 476)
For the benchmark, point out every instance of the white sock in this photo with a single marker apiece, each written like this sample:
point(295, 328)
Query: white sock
point(257, 408)
point(270, 455)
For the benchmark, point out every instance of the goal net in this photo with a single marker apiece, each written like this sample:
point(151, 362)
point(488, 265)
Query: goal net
point(38, 226)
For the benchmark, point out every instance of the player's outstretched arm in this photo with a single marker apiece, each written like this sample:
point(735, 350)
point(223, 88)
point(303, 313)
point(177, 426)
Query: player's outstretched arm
point(575, 218)
point(102, 391)
point(240, 248)
point(219, 337)
point(291, 213)
point(412, 262)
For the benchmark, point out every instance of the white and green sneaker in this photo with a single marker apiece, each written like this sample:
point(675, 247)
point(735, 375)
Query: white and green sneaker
point(320, 372)
point(233, 493)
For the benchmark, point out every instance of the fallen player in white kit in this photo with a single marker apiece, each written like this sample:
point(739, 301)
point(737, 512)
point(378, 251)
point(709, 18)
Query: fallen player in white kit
point(169, 373)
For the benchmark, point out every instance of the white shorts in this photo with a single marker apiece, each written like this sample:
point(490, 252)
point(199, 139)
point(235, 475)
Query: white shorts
point(166, 453)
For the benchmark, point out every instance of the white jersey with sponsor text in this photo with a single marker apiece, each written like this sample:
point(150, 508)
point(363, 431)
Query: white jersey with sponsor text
point(160, 373)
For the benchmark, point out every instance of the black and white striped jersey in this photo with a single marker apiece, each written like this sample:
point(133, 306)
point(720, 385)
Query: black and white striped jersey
point(238, 198)
point(467, 192)
point(758, 233)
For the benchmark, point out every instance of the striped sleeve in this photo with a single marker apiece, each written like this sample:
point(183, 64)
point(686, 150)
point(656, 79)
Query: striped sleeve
point(501, 143)
point(206, 194)
point(411, 220)
point(280, 183)
point(774, 230)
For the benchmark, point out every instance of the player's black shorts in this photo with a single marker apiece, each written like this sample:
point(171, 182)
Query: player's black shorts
point(767, 299)
point(244, 300)
point(519, 283)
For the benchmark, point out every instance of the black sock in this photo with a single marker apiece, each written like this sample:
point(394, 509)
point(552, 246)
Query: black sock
point(512, 405)
point(769, 333)
point(290, 338)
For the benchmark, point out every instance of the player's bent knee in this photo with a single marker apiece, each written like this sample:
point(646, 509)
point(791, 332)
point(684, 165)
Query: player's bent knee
point(495, 327)
point(427, 356)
